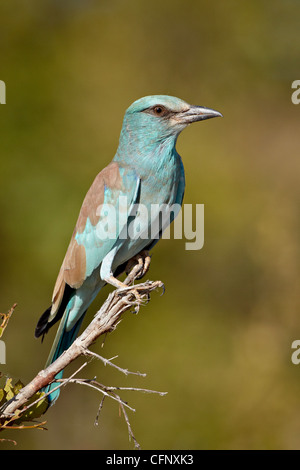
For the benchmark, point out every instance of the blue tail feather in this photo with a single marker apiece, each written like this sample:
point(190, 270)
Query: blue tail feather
point(65, 339)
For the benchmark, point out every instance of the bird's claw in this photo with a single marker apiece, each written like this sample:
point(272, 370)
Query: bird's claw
point(140, 297)
point(139, 264)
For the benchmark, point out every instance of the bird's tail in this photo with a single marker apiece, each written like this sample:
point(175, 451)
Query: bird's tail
point(62, 342)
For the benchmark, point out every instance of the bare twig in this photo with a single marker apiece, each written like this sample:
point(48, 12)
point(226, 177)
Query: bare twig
point(108, 361)
point(5, 319)
point(62, 384)
point(131, 435)
point(136, 389)
point(109, 391)
point(96, 422)
point(101, 388)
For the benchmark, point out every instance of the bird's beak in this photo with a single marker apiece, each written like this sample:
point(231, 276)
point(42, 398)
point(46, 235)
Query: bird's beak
point(198, 113)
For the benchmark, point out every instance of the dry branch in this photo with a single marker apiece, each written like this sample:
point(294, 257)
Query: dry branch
point(105, 321)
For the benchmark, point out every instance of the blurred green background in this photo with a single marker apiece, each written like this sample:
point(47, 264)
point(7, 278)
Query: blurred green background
point(219, 340)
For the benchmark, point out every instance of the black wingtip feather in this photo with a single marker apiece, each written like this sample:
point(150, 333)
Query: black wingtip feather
point(43, 325)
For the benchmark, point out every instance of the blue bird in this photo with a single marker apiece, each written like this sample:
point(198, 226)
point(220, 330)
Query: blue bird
point(146, 170)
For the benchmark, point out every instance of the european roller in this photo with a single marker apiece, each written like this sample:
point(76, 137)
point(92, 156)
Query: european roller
point(146, 171)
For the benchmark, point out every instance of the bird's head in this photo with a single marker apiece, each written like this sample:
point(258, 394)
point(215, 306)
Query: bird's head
point(153, 119)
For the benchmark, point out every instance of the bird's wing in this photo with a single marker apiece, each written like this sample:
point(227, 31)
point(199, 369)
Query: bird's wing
point(181, 186)
point(178, 200)
point(96, 232)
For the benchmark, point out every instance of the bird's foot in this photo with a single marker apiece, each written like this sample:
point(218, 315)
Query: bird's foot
point(138, 291)
point(138, 266)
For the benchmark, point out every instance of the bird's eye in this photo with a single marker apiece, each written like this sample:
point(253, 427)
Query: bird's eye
point(158, 110)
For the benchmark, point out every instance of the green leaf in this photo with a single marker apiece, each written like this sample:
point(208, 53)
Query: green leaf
point(17, 387)
point(2, 396)
point(36, 410)
point(8, 388)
